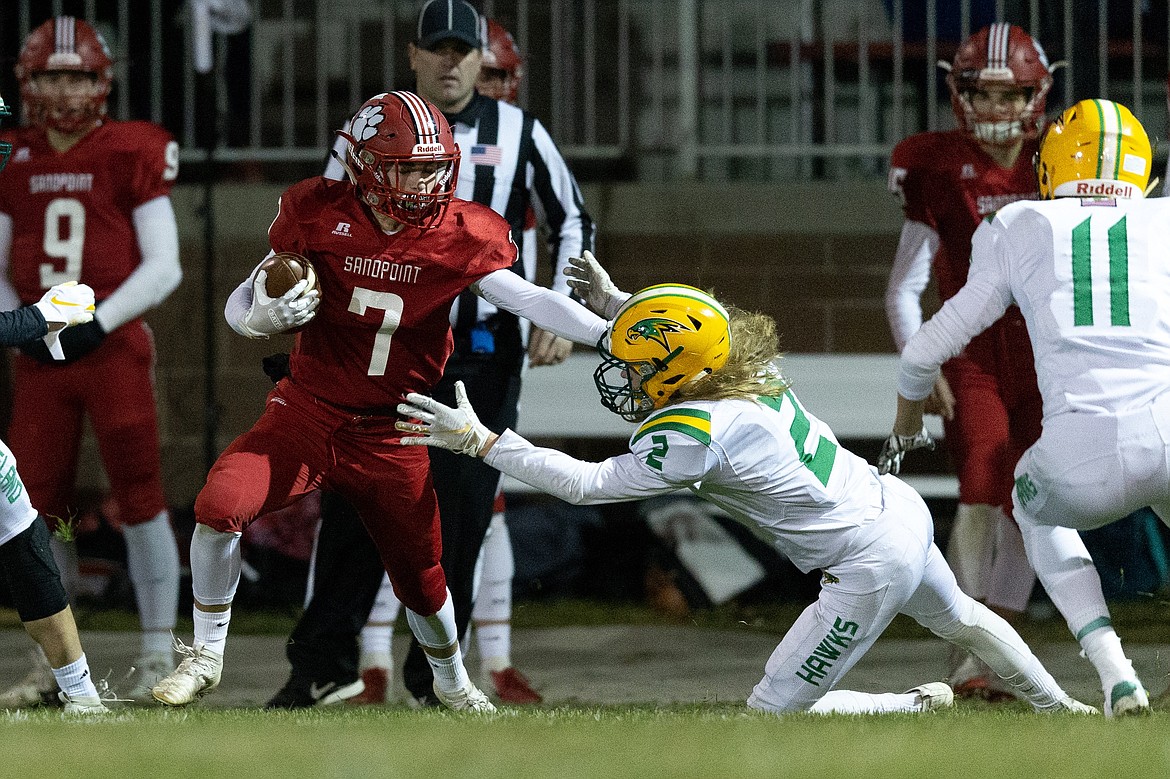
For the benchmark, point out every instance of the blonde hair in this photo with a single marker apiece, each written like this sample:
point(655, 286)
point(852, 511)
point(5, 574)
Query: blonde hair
point(750, 371)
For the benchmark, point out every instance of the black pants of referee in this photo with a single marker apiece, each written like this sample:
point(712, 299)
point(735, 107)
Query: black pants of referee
point(324, 644)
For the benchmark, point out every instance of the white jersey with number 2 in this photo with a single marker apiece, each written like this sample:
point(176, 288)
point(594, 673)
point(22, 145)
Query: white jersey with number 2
point(767, 462)
point(1092, 278)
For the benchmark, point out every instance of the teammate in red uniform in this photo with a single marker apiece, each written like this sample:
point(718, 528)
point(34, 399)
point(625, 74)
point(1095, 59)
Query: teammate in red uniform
point(87, 199)
point(393, 249)
point(948, 182)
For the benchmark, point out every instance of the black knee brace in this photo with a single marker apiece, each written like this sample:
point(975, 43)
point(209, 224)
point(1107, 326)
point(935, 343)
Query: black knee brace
point(33, 578)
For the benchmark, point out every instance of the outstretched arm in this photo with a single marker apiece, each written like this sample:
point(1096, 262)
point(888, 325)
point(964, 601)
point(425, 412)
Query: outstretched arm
point(546, 309)
point(556, 473)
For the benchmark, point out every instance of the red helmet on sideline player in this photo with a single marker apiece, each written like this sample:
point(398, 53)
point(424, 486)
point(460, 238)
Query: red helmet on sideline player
point(1005, 55)
point(392, 129)
point(503, 66)
point(65, 44)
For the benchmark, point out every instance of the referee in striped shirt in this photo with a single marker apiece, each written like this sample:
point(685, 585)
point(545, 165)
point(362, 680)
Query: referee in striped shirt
point(510, 163)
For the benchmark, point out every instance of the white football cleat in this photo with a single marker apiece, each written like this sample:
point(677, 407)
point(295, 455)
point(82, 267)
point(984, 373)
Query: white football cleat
point(1071, 705)
point(83, 706)
point(1127, 699)
point(470, 698)
point(195, 677)
point(933, 695)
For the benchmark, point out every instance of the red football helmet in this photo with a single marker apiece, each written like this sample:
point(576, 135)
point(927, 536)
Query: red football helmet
point(501, 55)
point(1004, 55)
point(395, 128)
point(65, 43)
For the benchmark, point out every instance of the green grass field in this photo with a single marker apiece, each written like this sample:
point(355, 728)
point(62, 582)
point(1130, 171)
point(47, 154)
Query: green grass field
point(694, 740)
point(688, 741)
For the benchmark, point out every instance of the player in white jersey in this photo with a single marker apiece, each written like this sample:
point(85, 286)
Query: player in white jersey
point(719, 419)
point(1089, 267)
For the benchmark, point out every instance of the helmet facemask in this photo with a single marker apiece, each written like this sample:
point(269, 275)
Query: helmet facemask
point(621, 385)
point(1000, 56)
point(393, 139)
point(64, 45)
point(1005, 126)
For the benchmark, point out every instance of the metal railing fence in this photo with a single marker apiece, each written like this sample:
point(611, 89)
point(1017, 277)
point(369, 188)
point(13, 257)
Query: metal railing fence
point(657, 89)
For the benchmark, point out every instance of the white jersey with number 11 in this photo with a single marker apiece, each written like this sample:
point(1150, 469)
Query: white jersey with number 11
point(1092, 278)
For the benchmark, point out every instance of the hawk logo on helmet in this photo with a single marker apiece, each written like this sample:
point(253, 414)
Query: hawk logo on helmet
point(656, 330)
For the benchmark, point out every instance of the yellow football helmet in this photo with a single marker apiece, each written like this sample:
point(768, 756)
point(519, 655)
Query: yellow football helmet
point(1097, 148)
point(663, 338)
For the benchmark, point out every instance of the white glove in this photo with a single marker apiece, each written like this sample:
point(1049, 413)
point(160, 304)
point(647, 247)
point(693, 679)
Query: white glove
point(269, 316)
point(896, 446)
point(457, 429)
point(589, 280)
point(63, 306)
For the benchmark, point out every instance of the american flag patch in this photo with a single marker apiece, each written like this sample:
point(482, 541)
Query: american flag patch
point(485, 154)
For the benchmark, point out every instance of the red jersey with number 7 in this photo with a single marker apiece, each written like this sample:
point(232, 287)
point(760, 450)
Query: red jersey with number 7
point(383, 327)
point(72, 211)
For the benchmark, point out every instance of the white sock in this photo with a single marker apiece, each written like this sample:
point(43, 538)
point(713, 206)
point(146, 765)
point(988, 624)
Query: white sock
point(211, 629)
point(1103, 648)
point(377, 646)
point(152, 558)
point(435, 632)
point(75, 680)
point(493, 640)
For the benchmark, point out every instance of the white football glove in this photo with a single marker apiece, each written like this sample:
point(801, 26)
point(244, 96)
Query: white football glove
point(63, 306)
point(269, 316)
point(896, 446)
point(589, 280)
point(457, 429)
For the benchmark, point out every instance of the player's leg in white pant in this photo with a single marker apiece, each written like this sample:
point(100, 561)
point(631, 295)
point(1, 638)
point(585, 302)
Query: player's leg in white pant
point(1067, 572)
point(941, 606)
point(970, 553)
point(215, 575)
point(875, 579)
point(152, 558)
point(1009, 588)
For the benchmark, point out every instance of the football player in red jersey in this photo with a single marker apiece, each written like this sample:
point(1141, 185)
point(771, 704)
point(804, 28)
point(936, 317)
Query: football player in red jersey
point(948, 182)
point(87, 199)
point(499, 78)
point(392, 249)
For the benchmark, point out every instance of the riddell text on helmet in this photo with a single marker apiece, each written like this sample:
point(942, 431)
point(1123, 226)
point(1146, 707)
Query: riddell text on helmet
point(1110, 189)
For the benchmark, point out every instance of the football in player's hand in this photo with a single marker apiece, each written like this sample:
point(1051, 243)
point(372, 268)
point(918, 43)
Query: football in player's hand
point(284, 270)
